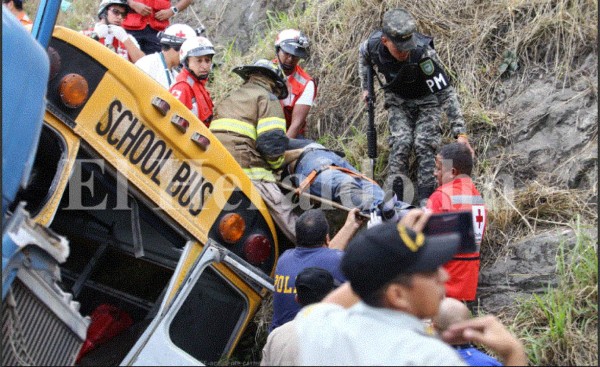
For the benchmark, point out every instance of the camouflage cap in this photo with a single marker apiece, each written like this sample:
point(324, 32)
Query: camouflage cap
point(399, 25)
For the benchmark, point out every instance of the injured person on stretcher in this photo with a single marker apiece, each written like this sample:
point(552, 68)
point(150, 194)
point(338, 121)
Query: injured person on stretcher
point(325, 174)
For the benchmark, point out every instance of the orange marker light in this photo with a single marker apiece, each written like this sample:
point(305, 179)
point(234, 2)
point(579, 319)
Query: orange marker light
point(232, 227)
point(73, 90)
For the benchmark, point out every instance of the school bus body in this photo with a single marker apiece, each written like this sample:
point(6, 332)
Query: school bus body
point(140, 194)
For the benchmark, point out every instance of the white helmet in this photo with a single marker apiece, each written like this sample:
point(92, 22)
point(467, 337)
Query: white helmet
point(104, 4)
point(195, 46)
point(176, 34)
point(293, 42)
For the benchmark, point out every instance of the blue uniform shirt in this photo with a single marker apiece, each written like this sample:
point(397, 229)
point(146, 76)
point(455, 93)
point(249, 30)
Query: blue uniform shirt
point(475, 357)
point(291, 263)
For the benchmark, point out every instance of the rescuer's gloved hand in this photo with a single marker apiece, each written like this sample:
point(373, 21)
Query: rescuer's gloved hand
point(375, 218)
point(101, 30)
point(118, 32)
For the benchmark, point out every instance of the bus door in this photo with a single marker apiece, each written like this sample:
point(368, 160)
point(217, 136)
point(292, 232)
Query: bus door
point(179, 335)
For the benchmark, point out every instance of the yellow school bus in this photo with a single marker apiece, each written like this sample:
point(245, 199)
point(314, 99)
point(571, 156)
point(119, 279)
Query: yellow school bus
point(162, 222)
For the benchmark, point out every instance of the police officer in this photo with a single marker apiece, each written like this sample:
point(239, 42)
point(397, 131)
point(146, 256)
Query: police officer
point(416, 89)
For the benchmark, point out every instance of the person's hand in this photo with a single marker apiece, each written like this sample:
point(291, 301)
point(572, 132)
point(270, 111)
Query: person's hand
point(491, 333)
point(118, 32)
point(164, 14)
point(364, 95)
point(375, 219)
point(101, 30)
point(464, 140)
point(415, 219)
point(354, 220)
point(140, 8)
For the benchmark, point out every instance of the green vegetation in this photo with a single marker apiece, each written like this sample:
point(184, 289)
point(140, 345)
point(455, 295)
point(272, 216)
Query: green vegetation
point(560, 327)
point(483, 43)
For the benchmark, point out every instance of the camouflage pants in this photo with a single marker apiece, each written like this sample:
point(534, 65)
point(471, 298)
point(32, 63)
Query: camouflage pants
point(414, 124)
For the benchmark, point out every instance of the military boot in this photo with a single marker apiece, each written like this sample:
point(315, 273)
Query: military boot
point(424, 194)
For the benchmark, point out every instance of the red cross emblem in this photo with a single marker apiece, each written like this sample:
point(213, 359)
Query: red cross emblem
point(180, 34)
point(479, 218)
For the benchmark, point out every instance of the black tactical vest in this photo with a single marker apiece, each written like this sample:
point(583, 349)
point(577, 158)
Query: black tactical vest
point(416, 77)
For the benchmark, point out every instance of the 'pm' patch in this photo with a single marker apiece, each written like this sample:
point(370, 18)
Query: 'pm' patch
point(427, 67)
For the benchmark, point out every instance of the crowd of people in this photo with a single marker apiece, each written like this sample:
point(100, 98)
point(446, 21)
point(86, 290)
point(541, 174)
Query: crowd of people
point(388, 294)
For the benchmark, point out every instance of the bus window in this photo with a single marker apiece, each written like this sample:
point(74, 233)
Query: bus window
point(50, 152)
point(215, 305)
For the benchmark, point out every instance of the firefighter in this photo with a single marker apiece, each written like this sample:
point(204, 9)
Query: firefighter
point(109, 32)
point(161, 66)
point(249, 122)
point(190, 86)
point(292, 45)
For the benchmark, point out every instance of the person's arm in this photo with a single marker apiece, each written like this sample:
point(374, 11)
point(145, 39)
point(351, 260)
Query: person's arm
point(448, 99)
point(134, 51)
point(128, 41)
point(491, 333)
point(140, 8)
point(168, 13)
point(345, 234)
point(301, 110)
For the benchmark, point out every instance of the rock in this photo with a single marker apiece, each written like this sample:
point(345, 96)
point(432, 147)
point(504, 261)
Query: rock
point(556, 128)
point(242, 22)
point(528, 268)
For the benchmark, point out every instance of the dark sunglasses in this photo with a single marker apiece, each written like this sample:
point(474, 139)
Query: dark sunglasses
point(116, 11)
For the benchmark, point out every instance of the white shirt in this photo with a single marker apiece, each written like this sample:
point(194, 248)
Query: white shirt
point(156, 66)
point(329, 334)
point(306, 97)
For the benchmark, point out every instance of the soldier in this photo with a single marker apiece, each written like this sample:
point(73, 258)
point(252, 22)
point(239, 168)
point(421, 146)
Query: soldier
point(249, 122)
point(416, 89)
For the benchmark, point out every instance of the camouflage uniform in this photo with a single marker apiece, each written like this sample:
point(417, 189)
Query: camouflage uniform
point(415, 90)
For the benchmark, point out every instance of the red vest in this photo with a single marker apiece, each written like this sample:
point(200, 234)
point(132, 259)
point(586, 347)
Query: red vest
point(194, 95)
point(297, 82)
point(135, 22)
point(459, 195)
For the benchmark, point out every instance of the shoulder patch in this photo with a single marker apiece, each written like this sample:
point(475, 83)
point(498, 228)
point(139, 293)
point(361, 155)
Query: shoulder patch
point(427, 66)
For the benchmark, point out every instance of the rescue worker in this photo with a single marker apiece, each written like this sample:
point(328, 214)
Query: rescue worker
point(161, 66)
point(190, 85)
point(453, 166)
point(249, 122)
point(16, 8)
point(292, 45)
point(416, 90)
point(148, 17)
point(326, 174)
point(109, 32)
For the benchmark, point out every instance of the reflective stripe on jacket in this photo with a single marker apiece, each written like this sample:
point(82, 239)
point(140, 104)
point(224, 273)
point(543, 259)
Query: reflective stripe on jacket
point(297, 82)
point(247, 115)
point(193, 94)
point(459, 195)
